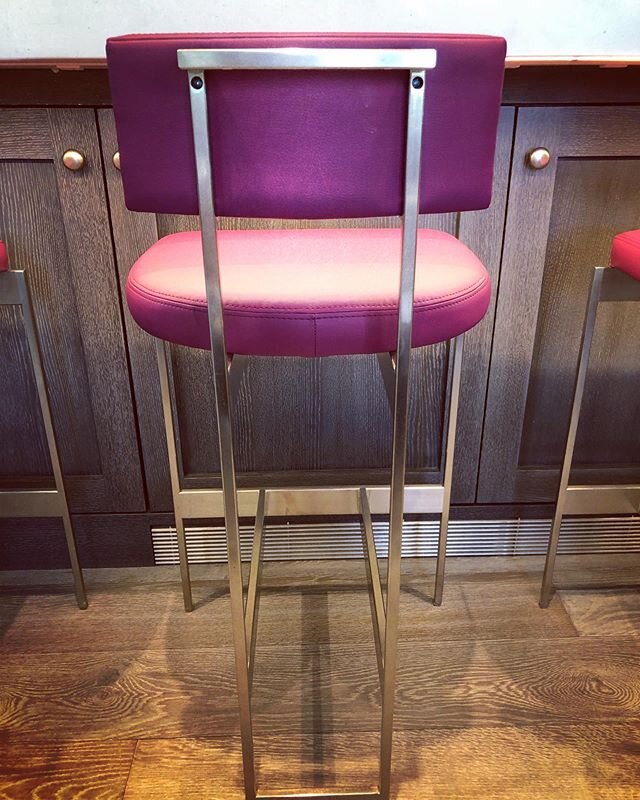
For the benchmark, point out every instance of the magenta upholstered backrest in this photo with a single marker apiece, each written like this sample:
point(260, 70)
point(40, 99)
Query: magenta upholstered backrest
point(306, 144)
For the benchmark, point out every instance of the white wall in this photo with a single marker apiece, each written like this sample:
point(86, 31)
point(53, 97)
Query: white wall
point(77, 28)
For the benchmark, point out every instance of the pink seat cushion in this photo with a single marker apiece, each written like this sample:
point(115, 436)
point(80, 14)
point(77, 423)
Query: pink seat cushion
point(625, 253)
point(314, 292)
point(4, 258)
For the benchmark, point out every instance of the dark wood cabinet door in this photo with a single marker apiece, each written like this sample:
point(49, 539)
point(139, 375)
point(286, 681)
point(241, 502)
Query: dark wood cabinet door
point(560, 223)
point(308, 420)
point(56, 225)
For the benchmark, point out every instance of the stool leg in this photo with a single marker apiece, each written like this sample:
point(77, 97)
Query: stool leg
point(376, 597)
point(45, 407)
point(396, 519)
point(162, 354)
point(546, 591)
point(253, 588)
point(219, 358)
point(450, 444)
point(400, 411)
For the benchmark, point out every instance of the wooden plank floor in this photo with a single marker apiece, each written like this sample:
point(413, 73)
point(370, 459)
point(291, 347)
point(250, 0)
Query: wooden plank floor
point(496, 698)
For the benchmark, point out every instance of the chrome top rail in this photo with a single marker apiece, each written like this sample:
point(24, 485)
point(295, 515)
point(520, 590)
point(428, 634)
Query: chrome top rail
point(306, 58)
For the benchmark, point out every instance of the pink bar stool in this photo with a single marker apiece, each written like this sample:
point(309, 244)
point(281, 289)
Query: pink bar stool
point(308, 126)
point(14, 290)
point(620, 281)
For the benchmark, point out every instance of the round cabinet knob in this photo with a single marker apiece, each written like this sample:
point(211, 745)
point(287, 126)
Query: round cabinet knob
point(116, 160)
point(73, 160)
point(539, 158)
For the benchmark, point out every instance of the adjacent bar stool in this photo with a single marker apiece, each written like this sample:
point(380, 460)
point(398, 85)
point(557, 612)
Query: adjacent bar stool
point(308, 126)
point(38, 502)
point(620, 281)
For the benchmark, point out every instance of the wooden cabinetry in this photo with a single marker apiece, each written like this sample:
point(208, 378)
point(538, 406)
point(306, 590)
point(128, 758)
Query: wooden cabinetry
point(308, 420)
point(560, 223)
point(56, 225)
point(327, 420)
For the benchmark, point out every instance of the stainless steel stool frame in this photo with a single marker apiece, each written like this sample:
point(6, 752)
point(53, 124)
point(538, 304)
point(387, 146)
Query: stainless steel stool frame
point(608, 285)
point(227, 370)
point(40, 502)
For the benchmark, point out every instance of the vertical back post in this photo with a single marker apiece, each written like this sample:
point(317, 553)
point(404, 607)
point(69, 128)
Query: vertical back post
point(401, 403)
point(199, 119)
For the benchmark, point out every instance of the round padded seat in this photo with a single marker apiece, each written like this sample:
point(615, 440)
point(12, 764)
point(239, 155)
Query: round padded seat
point(625, 253)
point(316, 292)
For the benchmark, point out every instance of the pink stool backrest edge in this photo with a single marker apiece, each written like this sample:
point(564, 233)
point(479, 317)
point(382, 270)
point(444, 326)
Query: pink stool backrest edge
point(4, 257)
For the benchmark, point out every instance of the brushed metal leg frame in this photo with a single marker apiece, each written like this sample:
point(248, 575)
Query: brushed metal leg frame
point(585, 348)
point(243, 626)
point(45, 503)
point(449, 450)
point(163, 356)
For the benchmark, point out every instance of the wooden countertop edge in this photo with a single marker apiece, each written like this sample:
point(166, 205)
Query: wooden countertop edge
point(511, 62)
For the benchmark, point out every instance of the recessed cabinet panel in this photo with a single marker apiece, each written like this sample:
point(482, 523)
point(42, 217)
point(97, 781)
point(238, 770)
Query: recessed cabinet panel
point(55, 223)
point(560, 224)
point(42, 251)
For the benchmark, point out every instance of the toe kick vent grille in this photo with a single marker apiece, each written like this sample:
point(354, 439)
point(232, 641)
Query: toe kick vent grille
point(506, 537)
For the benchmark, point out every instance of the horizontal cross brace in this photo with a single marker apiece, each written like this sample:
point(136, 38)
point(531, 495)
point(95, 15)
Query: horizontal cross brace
point(296, 501)
point(602, 500)
point(32, 503)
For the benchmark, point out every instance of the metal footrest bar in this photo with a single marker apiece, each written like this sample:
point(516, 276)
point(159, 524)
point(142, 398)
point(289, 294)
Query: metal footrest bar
point(602, 500)
point(297, 501)
point(32, 503)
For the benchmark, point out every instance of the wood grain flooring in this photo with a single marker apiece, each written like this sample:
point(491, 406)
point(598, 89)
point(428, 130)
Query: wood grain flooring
point(497, 698)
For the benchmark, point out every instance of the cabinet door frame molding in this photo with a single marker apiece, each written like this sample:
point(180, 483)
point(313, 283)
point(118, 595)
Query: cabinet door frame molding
point(91, 296)
point(567, 133)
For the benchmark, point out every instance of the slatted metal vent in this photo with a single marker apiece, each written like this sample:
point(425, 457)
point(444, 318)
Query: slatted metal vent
point(507, 537)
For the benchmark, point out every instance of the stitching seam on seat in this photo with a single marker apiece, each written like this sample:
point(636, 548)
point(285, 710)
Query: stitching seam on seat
point(202, 309)
point(198, 303)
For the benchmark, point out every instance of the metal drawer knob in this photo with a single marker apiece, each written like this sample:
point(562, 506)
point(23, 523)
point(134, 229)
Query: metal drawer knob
point(539, 158)
point(116, 160)
point(73, 160)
